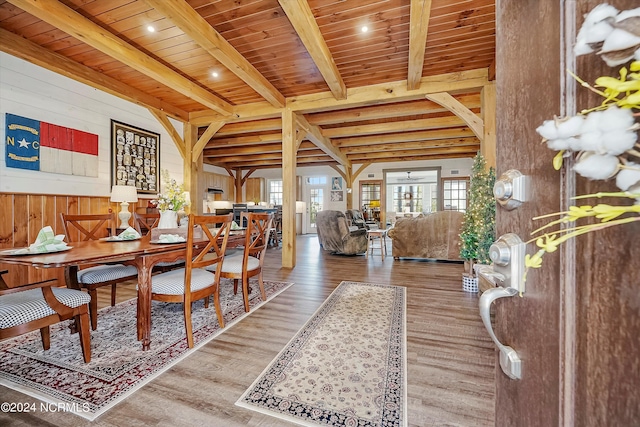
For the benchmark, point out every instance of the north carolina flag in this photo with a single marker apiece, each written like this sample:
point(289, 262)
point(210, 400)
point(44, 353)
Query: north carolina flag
point(56, 149)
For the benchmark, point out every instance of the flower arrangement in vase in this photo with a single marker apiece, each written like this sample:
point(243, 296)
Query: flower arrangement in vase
point(171, 201)
point(602, 139)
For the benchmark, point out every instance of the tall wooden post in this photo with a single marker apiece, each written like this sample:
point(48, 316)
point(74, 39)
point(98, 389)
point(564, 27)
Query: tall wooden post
point(192, 170)
point(288, 188)
point(488, 146)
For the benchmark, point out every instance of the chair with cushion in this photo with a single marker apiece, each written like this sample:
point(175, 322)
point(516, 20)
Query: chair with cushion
point(91, 227)
point(250, 263)
point(144, 222)
point(238, 210)
point(194, 282)
point(37, 306)
point(275, 235)
point(337, 237)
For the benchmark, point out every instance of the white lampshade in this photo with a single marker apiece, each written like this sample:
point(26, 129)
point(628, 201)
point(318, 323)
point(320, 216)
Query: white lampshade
point(124, 193)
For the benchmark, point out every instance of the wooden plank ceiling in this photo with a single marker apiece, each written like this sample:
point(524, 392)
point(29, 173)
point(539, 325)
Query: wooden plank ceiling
point(360, 96)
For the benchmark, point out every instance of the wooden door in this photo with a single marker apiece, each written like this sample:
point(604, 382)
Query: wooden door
point(577, 327)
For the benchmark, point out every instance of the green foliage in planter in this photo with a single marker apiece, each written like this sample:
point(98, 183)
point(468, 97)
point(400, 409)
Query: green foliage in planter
point(479, 224)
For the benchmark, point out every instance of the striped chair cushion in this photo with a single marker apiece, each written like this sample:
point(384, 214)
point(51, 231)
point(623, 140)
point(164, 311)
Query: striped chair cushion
point(24, 307)
point(172, 282)
point(233, 265)
point(105, 273)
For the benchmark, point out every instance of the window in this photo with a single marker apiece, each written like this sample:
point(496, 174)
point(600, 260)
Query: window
point(407, 198)
point(317, 180)
point(275, 192)
point(455, 194)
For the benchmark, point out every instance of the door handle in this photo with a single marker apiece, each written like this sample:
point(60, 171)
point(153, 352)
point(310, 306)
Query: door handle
point(509, 360)
point(507, 271)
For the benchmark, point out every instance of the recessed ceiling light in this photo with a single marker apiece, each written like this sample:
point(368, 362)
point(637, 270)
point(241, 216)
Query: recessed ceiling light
point(215, 74)
point(151, 29)
point(364, 29)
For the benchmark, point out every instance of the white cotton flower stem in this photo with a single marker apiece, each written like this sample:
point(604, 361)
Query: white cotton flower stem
point(633, 153)
point(602, 194)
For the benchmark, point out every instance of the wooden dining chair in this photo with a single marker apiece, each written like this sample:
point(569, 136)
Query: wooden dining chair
point(194, 282)
point(91, 227)
point(250, 264)
point(35, 306)
point(144, 222)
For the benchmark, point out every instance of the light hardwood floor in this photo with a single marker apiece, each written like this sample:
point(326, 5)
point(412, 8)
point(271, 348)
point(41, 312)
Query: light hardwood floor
point(450, 356)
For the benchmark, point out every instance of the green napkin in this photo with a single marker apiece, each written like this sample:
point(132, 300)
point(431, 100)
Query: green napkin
point(129, 234)
point(47, 242)
point(170, 238)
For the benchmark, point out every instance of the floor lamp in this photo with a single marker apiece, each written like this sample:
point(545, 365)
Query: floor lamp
point(124, 194)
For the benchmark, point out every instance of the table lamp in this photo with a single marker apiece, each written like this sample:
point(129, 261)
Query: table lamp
point(124, 194)
point(374, 203)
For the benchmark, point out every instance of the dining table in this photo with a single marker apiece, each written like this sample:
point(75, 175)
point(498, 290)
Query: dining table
point(143, 253)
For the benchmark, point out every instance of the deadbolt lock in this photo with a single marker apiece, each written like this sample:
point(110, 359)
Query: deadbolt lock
point(510, 190)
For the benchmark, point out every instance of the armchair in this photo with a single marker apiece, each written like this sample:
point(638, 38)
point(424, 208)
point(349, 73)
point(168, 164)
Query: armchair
point(337, 237)
point(356, 218)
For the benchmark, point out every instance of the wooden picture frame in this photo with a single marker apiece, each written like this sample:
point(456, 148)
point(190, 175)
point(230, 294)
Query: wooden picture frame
point(135, 157)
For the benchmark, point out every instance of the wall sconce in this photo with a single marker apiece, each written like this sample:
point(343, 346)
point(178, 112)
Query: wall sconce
point(349, 190)
point(124, 194)
point(301, 207)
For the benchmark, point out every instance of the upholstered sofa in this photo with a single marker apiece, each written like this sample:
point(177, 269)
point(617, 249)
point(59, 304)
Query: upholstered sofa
point(433, 236)
point(337, 237)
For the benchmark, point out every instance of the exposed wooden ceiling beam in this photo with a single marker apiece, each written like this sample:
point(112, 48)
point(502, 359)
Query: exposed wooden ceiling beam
point(460, 82)
point(471, 101)
point(315, 135)
point(427, 135)
point(196, 27)
point(248, 127)
point(418, 29)
point(215, 151)
point(474, 122)
point(76, 25)
point(22, 48)
point(422, 145)
point(203, 140)
point(246, 140)
point(391, 157)
point(270, 163)
point(390, 127)
point(175, 136)
point(277, 157)
point(408, 153)
point(303, 21)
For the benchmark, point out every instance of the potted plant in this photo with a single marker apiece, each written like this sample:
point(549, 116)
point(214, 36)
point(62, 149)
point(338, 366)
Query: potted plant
point(479, 223)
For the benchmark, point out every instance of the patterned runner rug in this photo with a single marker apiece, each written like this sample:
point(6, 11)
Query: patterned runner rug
point(345, 367)
point(118, 365)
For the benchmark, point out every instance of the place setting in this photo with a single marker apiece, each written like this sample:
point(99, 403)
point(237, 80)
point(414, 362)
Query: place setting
point(46, 242)
point(127, 235)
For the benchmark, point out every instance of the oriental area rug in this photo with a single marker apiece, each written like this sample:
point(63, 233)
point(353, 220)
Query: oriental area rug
point(345, 367)
point(118, 365)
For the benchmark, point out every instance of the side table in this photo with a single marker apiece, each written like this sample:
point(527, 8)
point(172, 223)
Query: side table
point(379, 235)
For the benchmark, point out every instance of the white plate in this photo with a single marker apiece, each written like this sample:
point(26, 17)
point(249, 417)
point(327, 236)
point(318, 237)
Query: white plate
point(117, 239)
point(14, 252)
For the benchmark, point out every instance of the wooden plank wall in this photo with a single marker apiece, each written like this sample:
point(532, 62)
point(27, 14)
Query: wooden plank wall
point(22, 216)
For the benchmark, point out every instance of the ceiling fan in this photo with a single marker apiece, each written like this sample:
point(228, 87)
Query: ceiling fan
point(408, 178)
